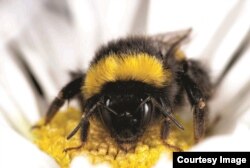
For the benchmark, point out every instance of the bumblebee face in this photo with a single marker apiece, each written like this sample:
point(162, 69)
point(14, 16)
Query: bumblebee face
point(129, 116)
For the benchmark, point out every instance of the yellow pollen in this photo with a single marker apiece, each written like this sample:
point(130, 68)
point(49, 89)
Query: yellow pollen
point(101, 148)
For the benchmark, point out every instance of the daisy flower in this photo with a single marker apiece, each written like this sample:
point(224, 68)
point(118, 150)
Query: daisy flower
point(42, 41)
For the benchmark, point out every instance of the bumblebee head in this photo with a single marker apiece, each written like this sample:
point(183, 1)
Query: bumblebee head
point(126, 116)
point(125, 111)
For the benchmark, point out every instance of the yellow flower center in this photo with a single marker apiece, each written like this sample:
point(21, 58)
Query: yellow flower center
point(100, 147)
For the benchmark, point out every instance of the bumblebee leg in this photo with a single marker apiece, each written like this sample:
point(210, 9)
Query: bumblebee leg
point(165, 129)
point(74, 148)
point(79, 97)
point(199, 118)
point(67, 92)
point(166, 111)
point(173, 147)
point(164, 134)
point(84, 125)
point(197, 94)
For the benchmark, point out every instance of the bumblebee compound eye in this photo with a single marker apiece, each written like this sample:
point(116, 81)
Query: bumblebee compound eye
point(146, 112)
point(108, 102)
point(105, 113)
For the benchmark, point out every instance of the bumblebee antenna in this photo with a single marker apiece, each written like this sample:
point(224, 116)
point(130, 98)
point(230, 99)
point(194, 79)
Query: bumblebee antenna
point(166, 112)
point(109, 109)
point(163, 109)
point(143, 102)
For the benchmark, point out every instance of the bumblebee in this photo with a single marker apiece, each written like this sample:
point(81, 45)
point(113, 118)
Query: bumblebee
point(134, 82)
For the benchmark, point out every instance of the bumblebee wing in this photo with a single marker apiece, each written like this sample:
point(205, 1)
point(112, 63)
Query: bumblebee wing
point(167, 43)
point(172, 37)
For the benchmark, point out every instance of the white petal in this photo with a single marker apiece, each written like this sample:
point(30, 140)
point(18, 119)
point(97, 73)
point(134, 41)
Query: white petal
point(51, 46)
point(51, 50)
point(98, 22)
point(238, 141)
point(85, 17)
point(12, 115)
point(82, 161)
point(164, 161)
point(15, 15)
point(234, 28)
point(40, 68)
point(120, 16)
point(245, 118)
point(18, 152)
point(232, 98)
point(173, 15)
point(18, 102)
point(3, 120)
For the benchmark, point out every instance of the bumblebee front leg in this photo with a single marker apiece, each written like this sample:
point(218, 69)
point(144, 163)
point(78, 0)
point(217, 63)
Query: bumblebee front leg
point(69, 91)
point(165, 129)
point(164, 134)
point(196, 95)
point(84, 125)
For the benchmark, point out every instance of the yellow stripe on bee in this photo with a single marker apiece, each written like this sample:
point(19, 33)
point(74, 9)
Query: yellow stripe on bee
point(137, 66)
